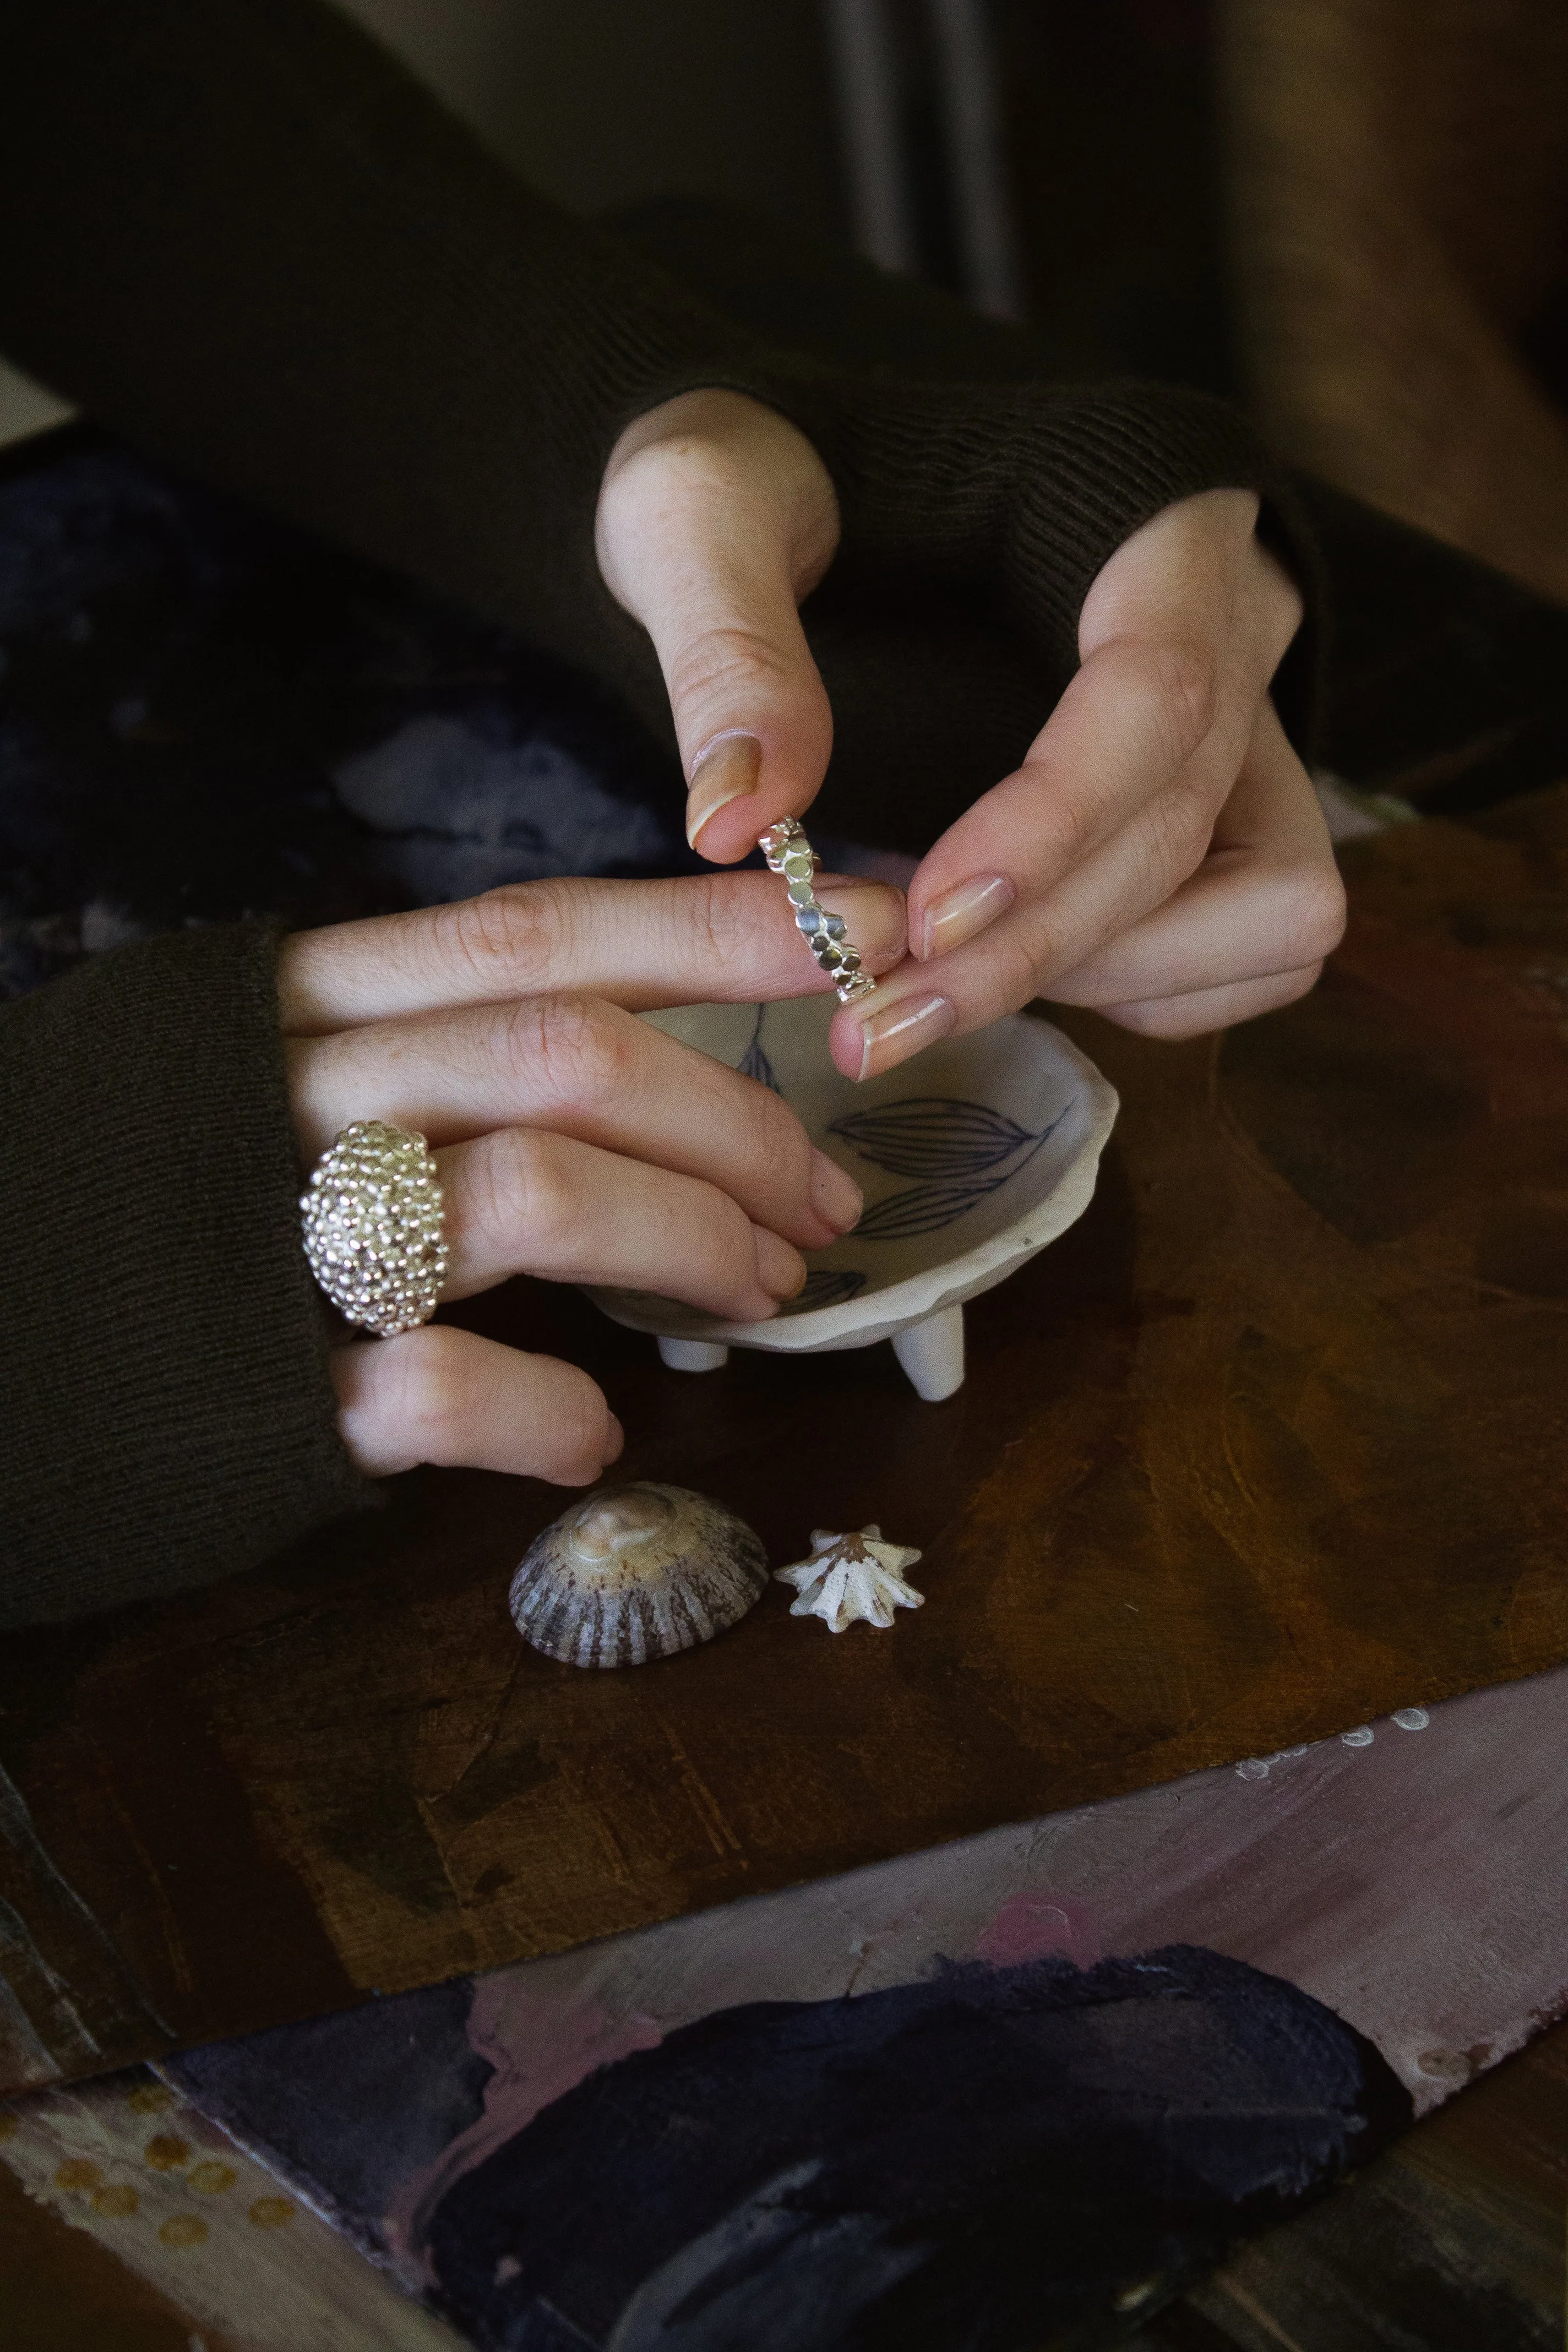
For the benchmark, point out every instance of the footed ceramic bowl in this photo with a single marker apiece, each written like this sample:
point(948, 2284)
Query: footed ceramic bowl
point(971, 1159)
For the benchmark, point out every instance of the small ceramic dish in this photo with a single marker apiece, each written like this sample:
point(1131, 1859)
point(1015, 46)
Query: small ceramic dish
point(971, 1159)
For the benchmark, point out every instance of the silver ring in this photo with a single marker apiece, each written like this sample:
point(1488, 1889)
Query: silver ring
point(788, 852)
point(373, 1218)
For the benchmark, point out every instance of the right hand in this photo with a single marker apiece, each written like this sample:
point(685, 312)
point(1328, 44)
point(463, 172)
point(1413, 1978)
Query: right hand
point(1159, 852)
point(573, 1141)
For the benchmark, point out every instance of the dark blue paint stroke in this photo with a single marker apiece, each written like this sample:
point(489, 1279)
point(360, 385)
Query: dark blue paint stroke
point(351, 2107)
point(974, 2163)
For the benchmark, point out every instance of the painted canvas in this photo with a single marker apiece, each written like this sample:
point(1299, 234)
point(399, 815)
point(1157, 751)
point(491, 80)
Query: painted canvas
point(991, 2095)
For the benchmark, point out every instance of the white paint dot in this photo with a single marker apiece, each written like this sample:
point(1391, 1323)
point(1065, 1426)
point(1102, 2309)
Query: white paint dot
point(1252, 1767)
point(1361, 1736)
point(1411, 1718)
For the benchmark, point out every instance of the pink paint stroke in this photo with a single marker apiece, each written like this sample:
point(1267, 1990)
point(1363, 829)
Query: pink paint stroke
point(1031, 1926)
point(539, 2048)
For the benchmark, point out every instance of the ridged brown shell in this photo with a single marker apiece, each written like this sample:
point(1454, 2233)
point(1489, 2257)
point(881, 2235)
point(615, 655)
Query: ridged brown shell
point(637, 1572)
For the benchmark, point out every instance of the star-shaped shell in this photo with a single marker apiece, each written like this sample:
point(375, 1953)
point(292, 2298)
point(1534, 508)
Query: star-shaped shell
point(852, 1577)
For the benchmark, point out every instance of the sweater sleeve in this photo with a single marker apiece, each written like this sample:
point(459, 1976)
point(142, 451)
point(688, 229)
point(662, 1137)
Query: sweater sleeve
point(165, 1394)
point(246, 237)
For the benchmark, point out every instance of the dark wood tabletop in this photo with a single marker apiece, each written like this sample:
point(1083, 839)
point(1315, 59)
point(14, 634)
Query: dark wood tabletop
point(1271, 1442)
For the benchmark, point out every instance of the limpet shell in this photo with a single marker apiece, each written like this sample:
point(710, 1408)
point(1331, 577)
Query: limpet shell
point(637, 1572)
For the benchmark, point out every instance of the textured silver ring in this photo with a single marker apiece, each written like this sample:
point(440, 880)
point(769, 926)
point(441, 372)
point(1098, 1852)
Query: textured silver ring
point(788, 852)
point(373, 1235)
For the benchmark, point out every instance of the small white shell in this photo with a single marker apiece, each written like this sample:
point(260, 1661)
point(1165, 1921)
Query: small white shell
point(637, 1572)
point(853, 1579)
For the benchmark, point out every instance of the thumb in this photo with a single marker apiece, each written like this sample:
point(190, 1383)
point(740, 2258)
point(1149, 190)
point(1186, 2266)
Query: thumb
point(716, 516)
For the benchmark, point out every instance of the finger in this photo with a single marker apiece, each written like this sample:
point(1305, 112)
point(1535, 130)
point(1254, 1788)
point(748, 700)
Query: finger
point(715, 518)
point(520, 1202)
point(582, 1068)
point(1268, 896)
point(1202, 1010)
point(1182, 632)
point(446, 1396)
point(709, 938)
point(1200, 557)
point(1017, 957)
point(1268, 899)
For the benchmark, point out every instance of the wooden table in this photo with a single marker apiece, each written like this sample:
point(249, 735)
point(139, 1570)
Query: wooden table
point(1269, 1444)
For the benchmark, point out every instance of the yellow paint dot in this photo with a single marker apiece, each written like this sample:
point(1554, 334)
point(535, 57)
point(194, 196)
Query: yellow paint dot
point(183, 2229)
point(167, 2152)
point(116, 2197)
point(78, 2173)
point(211, 2177)
point(150, 2099)
point(271, 2212)
point(9, 2123)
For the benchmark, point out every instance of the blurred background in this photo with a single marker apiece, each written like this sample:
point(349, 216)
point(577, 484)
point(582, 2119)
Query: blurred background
point(1350, 214)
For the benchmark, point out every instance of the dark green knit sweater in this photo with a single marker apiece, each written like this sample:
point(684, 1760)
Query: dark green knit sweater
point(242, 235)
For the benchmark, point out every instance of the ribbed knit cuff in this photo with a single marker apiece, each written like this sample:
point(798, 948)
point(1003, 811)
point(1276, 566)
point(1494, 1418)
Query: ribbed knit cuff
point(1036, 487)
point(167, 1409)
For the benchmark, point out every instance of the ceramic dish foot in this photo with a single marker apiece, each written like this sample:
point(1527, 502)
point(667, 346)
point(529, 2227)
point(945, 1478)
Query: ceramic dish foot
point(931, 1353)
point(693, 1355)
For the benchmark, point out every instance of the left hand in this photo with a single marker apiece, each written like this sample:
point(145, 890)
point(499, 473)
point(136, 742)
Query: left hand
point(1160, 853)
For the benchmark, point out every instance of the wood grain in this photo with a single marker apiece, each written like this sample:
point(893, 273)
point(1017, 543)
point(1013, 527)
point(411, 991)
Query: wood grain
point(1270, 1444)
point(1452, 2239)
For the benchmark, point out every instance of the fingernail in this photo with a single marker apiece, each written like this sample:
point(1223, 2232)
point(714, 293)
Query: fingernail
point(958, 916)
point(836, 1197)
point(780, 1270)
point(890, 1034)
point(874, 915)
point(727, 771)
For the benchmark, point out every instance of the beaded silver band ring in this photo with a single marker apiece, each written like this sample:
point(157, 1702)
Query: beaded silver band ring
point(788, 852)
point(372, 1227)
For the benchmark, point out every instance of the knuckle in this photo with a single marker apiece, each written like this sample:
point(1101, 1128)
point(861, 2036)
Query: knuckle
point(579, 1421)
point(1319, 896)
point(1016, 968)
point(717, 933)
point(781, 1146)
point(573, 1047)
point(1065, 822)
point(424, 1372)
point(1280, 600)
point(509, 939)
point(1182, 829)
point(1287, 606)
point(1173, 1018)
point(733, 1246)
point(1183, 692)
point(522, 1191)
point(1301, 983)
point(679, 465)
point(721, 661)
point(770, 1167)
point(1159, 1017)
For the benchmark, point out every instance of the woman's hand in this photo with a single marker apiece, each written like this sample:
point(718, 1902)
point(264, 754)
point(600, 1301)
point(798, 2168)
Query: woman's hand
point(573, 1141)
point(1158, 854)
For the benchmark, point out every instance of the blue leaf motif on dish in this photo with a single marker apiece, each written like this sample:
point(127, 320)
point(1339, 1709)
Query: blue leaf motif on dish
point(934, 1135)
point(963, 1151)
point(754, 1063)
point(828, 1286)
